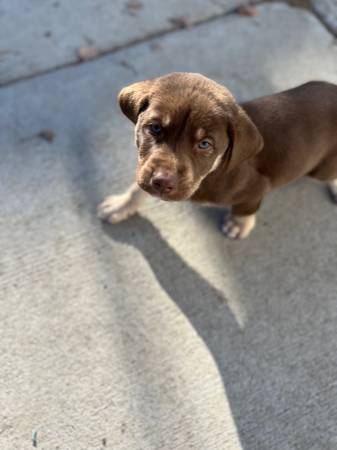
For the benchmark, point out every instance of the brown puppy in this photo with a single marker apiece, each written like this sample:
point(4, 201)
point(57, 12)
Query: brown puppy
point(196, 143)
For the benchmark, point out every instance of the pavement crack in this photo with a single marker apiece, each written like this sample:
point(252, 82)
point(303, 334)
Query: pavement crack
point(171, 28)
point(149, 37)
point(324, 22)
point(307, 5)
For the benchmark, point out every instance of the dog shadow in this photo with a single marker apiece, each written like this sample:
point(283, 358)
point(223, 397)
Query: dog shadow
point(182, 284)
point(205, 306)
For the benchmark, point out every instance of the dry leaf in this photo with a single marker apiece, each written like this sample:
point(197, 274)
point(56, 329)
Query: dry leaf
point(181, 22)
point(250, 11)
point(86, 53)
point(47, 135)
point(134, 6)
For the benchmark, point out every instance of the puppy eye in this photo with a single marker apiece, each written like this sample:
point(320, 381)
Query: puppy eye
point(155, 129)
point(204, 145)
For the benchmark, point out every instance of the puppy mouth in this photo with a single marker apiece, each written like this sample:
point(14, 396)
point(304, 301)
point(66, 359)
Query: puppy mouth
point(162, 195)
point(175, 194)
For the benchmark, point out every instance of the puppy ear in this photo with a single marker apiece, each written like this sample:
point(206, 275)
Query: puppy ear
point(134, 99)
point(245, 139)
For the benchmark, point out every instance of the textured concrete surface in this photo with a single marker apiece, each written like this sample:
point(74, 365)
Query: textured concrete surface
point(40, 35)
point(158, 333)
point(327, 10)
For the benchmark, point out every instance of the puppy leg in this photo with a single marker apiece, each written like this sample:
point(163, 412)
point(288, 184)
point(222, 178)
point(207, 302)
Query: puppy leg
point(241, 221)
point(116, 208)
point(327, 171)
point(333, 189)
point(238, 227)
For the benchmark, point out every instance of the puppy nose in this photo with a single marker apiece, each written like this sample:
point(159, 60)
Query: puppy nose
point(162, 183)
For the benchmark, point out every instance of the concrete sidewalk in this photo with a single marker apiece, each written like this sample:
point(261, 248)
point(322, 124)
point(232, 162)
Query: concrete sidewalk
point(49, 34)
point(158, 333)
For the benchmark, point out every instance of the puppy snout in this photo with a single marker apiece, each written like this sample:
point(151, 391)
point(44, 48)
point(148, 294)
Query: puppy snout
point(163, 183)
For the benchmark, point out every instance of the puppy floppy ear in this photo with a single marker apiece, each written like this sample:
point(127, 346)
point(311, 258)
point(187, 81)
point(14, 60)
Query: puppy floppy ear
point(134, 99)
point(245, 139)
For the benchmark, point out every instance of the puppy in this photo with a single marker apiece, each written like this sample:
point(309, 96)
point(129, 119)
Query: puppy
point(195, 142)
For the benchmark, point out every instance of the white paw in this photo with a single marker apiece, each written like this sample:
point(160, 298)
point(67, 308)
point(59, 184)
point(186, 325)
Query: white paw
point(235, 227)
point(231, 229)
point(116, 208)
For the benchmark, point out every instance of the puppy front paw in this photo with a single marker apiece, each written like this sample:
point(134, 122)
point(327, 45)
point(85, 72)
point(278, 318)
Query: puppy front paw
point(238, 227)
point(116, 208)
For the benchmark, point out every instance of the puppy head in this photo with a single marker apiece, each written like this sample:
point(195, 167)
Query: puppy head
point(186, 127)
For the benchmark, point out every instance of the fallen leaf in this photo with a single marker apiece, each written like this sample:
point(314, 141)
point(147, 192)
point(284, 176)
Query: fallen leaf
point(86, 53)
point(134, 6)
point(47, 135)
point(250, 11)
point(181, 22)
